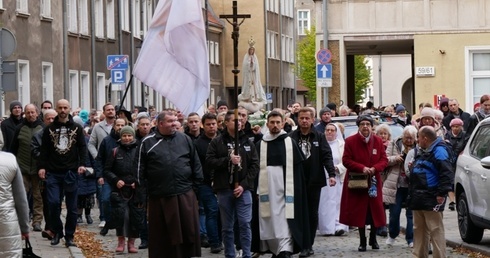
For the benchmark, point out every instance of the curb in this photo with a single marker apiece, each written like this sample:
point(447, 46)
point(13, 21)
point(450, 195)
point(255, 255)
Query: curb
point(76, 252)
point(470, 247)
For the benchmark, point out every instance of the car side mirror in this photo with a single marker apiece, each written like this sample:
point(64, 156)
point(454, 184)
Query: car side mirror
point(485, 162)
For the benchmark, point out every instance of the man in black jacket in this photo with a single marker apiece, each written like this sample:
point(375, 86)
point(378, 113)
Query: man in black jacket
point(8, 125)
point(206, 194)
point(63, 155)
point(456, 112)
point(168, 164)
point(318, 159)
point(234, 177)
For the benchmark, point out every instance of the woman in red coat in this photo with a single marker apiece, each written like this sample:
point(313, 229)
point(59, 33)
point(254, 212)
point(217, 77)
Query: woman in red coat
point(364, 153)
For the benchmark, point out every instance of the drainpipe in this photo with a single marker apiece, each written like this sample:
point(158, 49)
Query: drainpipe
point(266, 42)
point(325, 45)
point(131, 54)
point(281, 81)
point(66, 84)
point(380, 82)
point(119, 35)
point(94, 91)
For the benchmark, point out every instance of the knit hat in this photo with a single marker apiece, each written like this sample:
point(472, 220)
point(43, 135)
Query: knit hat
point(456, 121)
point(127, 130)
point(364, 118)
point(427, 112)
point(400, 108)
point(15, 103)
point(221, 103)
point(323, 110)
point(444, 102)
point(332, 106)
point(84, 115)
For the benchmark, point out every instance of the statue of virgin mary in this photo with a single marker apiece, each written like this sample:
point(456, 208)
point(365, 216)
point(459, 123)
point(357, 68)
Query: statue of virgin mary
point(253, 96)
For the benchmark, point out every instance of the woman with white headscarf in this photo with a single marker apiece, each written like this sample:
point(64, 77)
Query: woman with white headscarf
point(329, 208)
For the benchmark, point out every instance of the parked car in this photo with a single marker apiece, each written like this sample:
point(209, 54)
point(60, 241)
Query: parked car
point(472, 185)
point(351, 128)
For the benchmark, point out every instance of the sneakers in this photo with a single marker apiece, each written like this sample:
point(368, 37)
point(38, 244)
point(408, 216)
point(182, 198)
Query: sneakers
point(410, 245)
point(390, 241)
point(452, 206)
point(102, 224)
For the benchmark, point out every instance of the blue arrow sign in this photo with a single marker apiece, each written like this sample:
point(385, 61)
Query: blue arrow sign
point(117, 62)
point(324, 71)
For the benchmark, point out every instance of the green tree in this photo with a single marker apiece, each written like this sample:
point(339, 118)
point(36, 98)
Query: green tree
point(362, 77)
point(305, 67)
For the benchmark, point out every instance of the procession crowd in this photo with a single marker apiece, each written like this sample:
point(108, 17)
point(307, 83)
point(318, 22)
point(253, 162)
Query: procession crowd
point(185, 182)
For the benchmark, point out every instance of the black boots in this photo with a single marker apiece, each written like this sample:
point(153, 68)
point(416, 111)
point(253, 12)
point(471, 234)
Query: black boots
point(372, 238)
point(362, 236)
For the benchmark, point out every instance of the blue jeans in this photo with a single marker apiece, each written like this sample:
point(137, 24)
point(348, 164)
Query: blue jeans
point(395, 210)
point(55, 189)
point(242, 207)
point(104, 195)
point(210, 204)
point(202, 220)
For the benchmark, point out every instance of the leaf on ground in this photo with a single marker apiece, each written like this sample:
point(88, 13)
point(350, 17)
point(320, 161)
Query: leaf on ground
point(91, 247)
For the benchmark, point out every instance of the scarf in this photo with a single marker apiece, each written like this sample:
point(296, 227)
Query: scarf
point(263, 189)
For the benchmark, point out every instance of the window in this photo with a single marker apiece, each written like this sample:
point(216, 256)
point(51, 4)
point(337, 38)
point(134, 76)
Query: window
point(216, 53)
point(47, 77)
point(46, 8)
point(136, 19)
point(111, 30)
point(72, 15)
point(1, 4)
point(125, 15)
point(479, 145)
point(22, 6)
point(85, 90)
point(147, 15)
point(272, 44)
point(478, 74)
point(101, 91)
point(99, 18)
point(74, 94)
point(303, 21)
point(24, 81)
point(211, 52)
point(83, 16)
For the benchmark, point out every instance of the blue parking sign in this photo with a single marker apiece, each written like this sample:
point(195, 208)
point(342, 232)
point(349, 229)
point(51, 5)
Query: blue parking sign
point(118, 76)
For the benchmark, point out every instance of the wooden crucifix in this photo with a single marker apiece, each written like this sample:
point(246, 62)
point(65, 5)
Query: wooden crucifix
point(234, 35)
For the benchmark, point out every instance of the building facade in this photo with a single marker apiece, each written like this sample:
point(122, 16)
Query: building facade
point(65, 56)
point(447, 38)
point(272, 26)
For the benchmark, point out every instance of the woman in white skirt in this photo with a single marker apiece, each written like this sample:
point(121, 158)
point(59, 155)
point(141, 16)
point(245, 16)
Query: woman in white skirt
point(329, 208)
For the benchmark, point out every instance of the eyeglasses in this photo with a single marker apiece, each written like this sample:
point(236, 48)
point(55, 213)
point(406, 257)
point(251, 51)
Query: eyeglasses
point(364, 124)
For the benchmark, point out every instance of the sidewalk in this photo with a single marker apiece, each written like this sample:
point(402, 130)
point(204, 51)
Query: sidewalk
point(453, 239)
point(42, 247)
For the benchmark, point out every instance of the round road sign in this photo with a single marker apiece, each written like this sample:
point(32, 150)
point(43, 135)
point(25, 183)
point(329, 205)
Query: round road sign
point(324, 56)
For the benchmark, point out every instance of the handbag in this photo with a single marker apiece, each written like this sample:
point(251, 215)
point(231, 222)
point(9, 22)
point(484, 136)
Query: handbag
point(358, 181)
point(27, 251)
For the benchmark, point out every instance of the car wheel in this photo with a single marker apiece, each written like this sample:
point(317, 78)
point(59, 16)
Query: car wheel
point(468, 231)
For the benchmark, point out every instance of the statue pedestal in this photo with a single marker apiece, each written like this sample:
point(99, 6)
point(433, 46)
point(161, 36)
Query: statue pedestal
point(251, 106)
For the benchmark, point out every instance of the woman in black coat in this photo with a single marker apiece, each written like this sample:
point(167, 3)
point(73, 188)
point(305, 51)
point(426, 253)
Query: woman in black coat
point(127, 197)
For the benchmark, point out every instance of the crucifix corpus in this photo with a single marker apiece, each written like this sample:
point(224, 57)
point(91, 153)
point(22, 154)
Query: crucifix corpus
point(234, 35)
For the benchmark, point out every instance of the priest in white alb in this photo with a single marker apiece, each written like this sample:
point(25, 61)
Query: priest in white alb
point(282, 216)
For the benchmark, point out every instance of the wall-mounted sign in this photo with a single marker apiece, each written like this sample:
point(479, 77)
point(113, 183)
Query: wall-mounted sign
point(425, 71)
